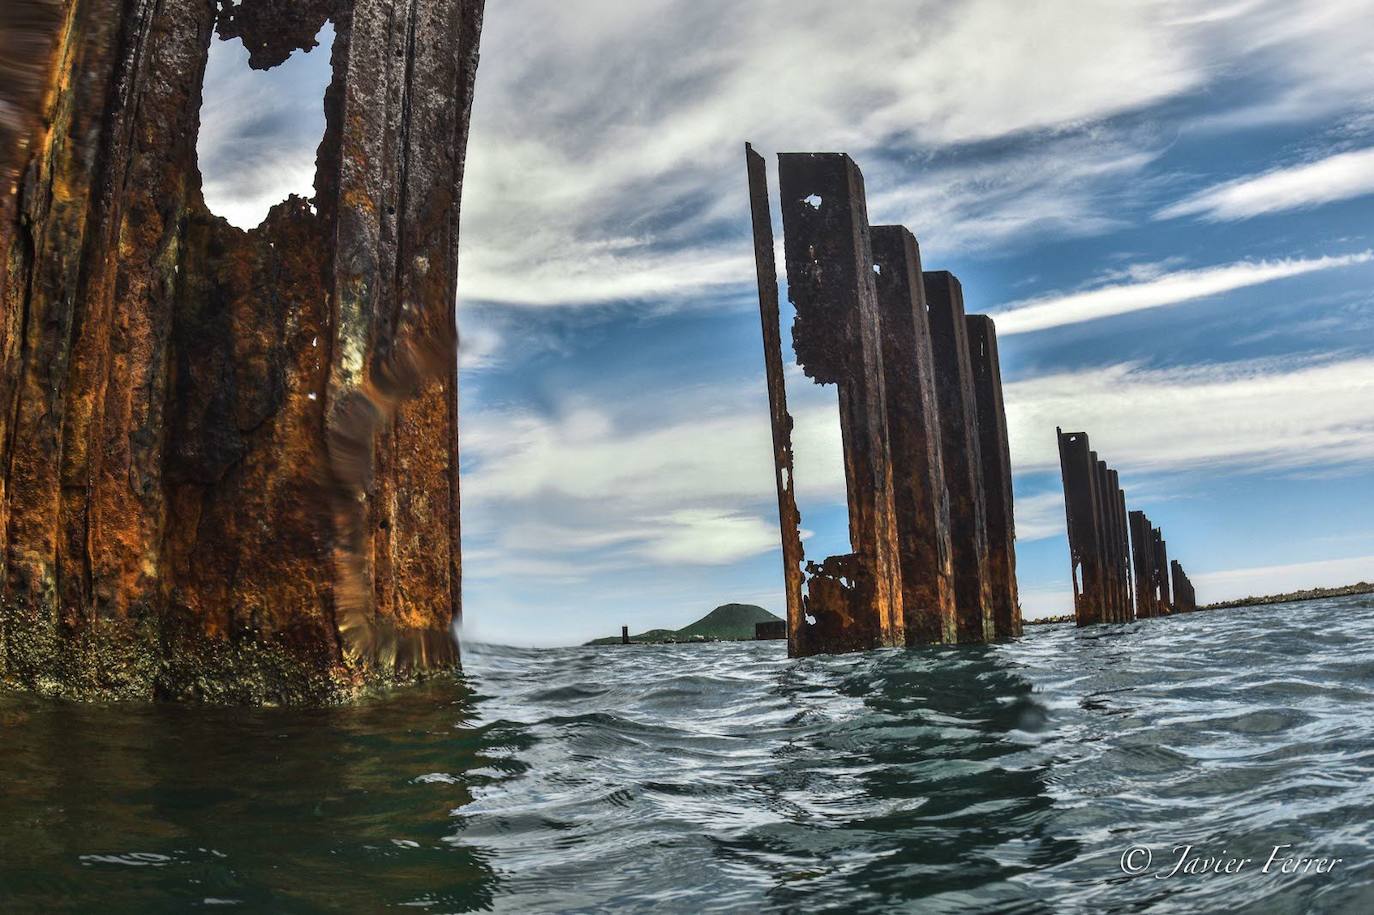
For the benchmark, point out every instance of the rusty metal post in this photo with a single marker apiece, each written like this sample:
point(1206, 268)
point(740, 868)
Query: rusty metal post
point(1078, 467)
point(231, 457)
point(789, 518)
point(913, 423)
point(1143, 554)
point(855, 599)
point(963, 463)
point(995, 453)
point(1123, 549)
point(1166, 600)
point(1110, 591)
point(1185, 599)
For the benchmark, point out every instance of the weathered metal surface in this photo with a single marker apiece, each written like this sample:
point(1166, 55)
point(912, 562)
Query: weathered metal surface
point(1143, 555)
point(959, 441)
point(913, 424)
point(1111, 607)
point(995, 452)
point(1078, 466)
point(1122, 532)
point(855, 599)
point(231, 457)
point(895, 342)
point(789, 518)
point(1162, 583)
point(1185, 598)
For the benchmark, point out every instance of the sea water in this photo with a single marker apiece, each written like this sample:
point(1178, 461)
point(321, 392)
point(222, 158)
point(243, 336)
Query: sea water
point(1114, 768)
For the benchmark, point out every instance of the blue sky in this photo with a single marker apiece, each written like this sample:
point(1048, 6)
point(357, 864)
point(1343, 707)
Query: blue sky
point(1167, 206)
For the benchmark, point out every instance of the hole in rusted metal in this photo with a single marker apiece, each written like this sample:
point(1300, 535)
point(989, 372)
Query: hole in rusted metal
point(261, 124)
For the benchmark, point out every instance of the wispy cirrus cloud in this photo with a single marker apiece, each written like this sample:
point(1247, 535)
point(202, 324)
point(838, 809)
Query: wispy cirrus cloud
point(1158, 291)
point(1343, 176)
point(1040, 516)
point(631, 188)
point(1270, 414)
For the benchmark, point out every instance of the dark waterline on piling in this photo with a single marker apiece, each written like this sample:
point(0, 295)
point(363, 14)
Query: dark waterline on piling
point(722, 777)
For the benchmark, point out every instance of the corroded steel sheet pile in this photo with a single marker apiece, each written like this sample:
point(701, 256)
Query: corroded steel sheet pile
point(919, 571)
point(913, 424)
point(963, 455)
point(1162, 582)
point(995, 452)
point(231, 458)
point(1119, 561)
point(1185, 598)
point(856, 599)
point(1087, 555)
point(1146, 576)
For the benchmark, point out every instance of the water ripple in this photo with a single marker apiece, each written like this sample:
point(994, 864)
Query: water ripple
point(712, 778)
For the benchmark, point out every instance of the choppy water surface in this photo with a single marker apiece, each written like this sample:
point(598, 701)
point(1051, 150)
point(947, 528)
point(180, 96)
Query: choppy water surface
point(725, 778)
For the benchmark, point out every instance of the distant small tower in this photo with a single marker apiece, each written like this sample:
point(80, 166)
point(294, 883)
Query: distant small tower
point(624, 635)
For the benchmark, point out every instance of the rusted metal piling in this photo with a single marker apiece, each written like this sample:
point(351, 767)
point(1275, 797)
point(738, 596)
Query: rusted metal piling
point(995, 454)
point(896, 343)
point(1119, 561)
point(913, 423)
point(1078, 465)
point(1185, 598)
point(1146, 584)
point(855, 599)
point(1166, 599)
point(962, 456)
point(231, 457)
point(798, 642)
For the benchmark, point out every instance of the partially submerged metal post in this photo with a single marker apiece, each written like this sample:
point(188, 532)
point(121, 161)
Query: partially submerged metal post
point(1111, 586)
point(1143, 553)
point(896, 343)
point(961, 452)
point(1185, 598)
point(1123, 548)
point(624, 635)
point(232, 456)
point(1114, 552)
point(995, 452)
point(781, 421)
point(1078, 464)
point(913, 422)
point(856, 599)
point(1166, 600)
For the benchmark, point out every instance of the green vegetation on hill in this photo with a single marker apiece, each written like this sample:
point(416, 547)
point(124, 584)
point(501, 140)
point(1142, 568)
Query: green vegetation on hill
point(725, 623)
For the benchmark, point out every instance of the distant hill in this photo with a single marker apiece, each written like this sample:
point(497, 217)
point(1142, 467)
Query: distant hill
point(726, 623)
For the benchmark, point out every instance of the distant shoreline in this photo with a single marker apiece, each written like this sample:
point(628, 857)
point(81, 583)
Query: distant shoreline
point(1294, 597)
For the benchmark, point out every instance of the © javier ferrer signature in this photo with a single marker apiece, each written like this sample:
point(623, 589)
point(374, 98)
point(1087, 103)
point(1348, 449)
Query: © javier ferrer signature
point(1189, 861)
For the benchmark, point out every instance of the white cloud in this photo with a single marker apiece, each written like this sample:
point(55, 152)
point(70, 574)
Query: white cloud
point(1233, 584)
point(632, 187)
point(1040, 516)
point(260, 129)
point(1308, 67)
point(1158, 291)
point(1261, 414)
point(1340, 177)
point(694, 485)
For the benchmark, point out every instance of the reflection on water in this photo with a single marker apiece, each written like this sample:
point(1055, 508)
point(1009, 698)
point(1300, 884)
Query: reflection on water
point(725, 777)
